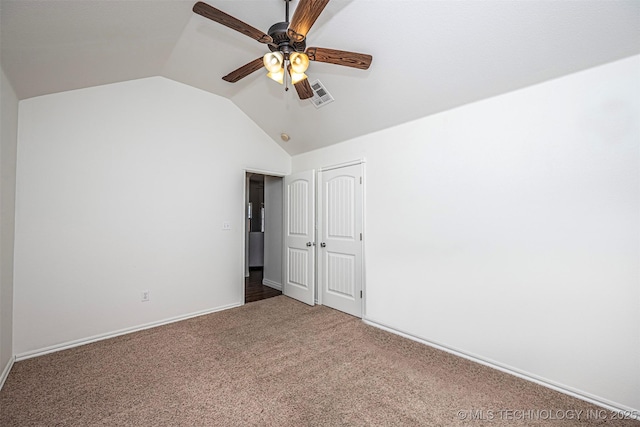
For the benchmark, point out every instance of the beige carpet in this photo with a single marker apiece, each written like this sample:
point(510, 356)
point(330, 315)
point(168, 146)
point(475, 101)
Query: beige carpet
point(275, 362)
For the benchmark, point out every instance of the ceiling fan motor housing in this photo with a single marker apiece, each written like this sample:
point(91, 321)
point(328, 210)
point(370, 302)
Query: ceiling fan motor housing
point(282, 42)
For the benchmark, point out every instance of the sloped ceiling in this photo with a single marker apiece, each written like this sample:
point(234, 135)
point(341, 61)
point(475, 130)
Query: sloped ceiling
point(429, 56)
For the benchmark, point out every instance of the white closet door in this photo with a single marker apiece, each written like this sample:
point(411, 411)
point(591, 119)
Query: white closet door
point(299, 218)
point(340, 236)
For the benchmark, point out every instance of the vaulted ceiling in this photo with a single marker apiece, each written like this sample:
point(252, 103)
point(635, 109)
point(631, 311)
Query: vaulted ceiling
point(428, 56)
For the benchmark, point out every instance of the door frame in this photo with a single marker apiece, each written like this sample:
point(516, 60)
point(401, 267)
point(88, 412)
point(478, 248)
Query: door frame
point(242, 216)
point(363, 163)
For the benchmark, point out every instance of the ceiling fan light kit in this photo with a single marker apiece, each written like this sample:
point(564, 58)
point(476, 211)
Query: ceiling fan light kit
point(287, 43)
point(274, 62)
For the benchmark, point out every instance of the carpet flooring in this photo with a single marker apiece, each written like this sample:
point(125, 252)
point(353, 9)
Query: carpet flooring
point(276, 362)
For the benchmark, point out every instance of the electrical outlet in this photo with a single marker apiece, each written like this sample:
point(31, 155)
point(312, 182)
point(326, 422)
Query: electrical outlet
point(145, 296)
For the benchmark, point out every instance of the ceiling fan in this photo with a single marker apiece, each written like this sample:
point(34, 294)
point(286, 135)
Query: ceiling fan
point(289, 54)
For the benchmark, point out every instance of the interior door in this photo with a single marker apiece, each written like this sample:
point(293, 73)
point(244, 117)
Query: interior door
point(340, 236)
point(299, 219)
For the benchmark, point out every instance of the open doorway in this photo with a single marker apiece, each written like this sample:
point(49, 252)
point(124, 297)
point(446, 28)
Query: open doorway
point(263, 236)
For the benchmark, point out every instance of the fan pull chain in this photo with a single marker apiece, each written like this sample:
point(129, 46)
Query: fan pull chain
point(286, 83)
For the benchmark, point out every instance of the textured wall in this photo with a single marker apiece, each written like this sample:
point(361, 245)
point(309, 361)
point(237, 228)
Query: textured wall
point(508, 229)
point(124, 188)
point(273, 188)
point(8, 142)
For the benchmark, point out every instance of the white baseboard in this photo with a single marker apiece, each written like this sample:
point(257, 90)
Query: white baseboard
point(5, 372)
point(272, 284)
point(89, 340)
point(628, 412)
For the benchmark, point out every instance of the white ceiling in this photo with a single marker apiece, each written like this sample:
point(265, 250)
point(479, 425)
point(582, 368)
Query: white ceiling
point(428, 56)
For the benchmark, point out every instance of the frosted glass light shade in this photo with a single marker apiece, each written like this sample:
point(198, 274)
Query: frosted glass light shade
point(299, 62)
point(273, 61)
point(297, 77)
point(277, 76)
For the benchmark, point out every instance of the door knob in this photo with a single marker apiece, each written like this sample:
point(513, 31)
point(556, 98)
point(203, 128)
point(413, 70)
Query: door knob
point(323, 244)
point(308, 243)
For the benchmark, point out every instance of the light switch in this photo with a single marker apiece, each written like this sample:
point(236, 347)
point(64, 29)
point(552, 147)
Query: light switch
point(226, 225)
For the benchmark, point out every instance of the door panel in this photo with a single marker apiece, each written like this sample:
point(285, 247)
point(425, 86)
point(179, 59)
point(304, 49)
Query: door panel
point(299, 219)
point(340, 274)
point(340, 270)
point(298, 262)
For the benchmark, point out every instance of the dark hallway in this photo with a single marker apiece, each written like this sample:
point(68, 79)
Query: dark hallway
point(254, 290)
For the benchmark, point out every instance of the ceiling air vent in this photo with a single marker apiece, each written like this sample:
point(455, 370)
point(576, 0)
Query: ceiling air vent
point(320, 95)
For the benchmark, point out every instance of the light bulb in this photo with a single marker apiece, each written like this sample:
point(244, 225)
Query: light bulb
point(299, 62)
point(273, 61)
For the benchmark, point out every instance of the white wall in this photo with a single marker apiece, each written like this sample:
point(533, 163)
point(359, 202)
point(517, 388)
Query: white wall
point(273, 204)
point(124, 188)
point(509, 229)
point(8, 142)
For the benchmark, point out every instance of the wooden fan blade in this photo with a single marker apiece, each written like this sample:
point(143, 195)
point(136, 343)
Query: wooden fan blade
point(304, 89)
point(303, 18)
point(244, 71)
point(339, 57)
point(229, 21)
